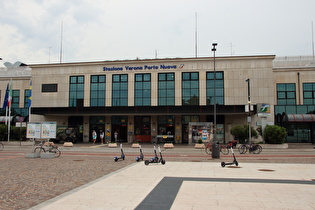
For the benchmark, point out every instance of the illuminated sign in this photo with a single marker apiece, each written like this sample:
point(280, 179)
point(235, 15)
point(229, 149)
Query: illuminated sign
point(143, 67)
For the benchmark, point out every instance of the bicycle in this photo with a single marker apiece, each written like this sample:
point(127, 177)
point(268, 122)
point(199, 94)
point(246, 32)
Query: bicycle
point(251, 148)
point(1, 146)
point(50, 148)
point(224, 148)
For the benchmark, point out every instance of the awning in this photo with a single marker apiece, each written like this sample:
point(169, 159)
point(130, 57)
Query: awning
point(301, 118)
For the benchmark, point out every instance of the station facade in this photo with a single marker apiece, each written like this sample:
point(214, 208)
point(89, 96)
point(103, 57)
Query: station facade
point(163, 99)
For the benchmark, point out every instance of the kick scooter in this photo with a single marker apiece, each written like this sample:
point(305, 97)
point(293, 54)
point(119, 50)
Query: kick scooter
point(141, 157)
point(223, 164)
point(122, 156)
point(155, 159)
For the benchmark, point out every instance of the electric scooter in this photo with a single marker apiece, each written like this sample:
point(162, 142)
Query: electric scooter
point(223, 164)
point(122, 156)
point(141, 157)
point(155, 159)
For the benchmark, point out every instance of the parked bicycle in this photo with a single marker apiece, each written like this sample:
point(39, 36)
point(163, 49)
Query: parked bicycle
point(251, 148)
point(48, 148)
point(224, 148)
point(1, 146)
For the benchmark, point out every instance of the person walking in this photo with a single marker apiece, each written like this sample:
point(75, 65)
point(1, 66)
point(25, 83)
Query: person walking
point(94, 136)
point(102, 136)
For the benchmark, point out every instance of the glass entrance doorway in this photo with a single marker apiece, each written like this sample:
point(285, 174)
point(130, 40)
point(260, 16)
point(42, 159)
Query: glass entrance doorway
point(119, 129)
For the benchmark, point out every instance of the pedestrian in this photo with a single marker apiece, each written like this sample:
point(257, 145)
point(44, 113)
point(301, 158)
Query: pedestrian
point(116, 136)
point(102, 136)
point(94, 136)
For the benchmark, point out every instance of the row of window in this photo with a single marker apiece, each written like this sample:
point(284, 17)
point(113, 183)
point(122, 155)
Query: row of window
point(286, 94)
point(142, 89)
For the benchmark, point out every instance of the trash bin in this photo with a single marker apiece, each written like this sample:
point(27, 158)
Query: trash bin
point(215, 150)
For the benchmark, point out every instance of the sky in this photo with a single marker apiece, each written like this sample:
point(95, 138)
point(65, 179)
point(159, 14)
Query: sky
point(54, 31)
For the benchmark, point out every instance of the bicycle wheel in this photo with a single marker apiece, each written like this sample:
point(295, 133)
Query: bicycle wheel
point(242, 149)
point(208, 150)
point(39, 150)
point(224, 150)
point(1, 146)
point(56, 151)
point(256, 149)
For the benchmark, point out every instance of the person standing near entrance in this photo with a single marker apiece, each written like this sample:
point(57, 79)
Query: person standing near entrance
point(116, 136)
point(102, 136)
point(94, 136)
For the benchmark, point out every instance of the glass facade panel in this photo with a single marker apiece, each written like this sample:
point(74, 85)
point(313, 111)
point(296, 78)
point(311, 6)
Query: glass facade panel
point(219, 83)
point(120, 90)
point(97, 91)
point(286, 94)
point(309, 93)
point(76, 90)
point(166, 89)
point(15, 98)
point(190, 88)
point(142, 89)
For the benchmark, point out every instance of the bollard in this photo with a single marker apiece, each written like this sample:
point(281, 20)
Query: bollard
point(216, 150)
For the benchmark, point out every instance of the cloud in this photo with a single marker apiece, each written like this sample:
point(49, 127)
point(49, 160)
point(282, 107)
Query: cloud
point(124, 29)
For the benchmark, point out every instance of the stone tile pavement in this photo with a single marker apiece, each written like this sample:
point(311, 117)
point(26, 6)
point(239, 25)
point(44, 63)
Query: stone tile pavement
point(195, 185)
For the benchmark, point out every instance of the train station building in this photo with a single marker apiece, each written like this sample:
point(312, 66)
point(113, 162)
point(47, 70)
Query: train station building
point(171, 99)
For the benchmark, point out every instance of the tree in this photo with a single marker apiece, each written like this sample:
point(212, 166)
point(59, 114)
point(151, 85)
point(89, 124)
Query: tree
point(240, 132)
point(274, 134)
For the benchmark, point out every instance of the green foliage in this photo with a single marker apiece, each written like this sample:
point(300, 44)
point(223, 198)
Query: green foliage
point(15, 133)
point(274, 134)
point(240, 132)
point(3, 131)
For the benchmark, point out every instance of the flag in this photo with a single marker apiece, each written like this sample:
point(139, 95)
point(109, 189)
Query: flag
point(29, 101)
point(6, 96)
point(10, 95)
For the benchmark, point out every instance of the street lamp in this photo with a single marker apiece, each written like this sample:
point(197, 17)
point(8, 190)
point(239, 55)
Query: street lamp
point(215, 146)
point(249, 120)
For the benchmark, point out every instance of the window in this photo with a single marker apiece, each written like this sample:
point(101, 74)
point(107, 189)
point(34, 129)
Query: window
point(166, 89)
point(286, 94)
point(15, 98)
point(142, 89)
point(219, 83)
point(97, 90)
point(190, 88)
point(26, 97)
point(46, 88)
point(309, 93)
point(76, 93)
point(120, 90)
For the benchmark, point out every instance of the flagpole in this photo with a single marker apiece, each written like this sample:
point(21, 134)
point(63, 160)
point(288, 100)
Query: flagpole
point(9, 105)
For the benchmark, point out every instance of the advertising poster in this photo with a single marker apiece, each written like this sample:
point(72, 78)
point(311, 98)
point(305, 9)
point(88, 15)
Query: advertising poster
point(48, 130)
point(33, 130)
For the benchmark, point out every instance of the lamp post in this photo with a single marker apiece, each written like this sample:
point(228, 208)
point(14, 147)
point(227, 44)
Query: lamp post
point(249, 120)
point(215, 145)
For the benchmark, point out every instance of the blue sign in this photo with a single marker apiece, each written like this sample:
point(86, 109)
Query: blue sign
point(144, 67)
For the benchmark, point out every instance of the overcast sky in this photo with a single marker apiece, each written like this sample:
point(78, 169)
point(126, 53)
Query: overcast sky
point(95, 30)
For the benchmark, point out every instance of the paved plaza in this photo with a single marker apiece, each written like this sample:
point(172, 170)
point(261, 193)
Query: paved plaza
point(86, 177)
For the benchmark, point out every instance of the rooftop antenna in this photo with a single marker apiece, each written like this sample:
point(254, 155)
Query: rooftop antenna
point(61, 41)
point(196, 35)
point(156, 54)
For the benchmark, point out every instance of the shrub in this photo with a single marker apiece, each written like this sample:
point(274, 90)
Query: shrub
point(274, 134)
point(240, 132)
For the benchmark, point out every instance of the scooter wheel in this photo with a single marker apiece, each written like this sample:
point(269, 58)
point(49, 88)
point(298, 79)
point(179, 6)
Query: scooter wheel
point(116, 159)
point(236, 163)
point(163, 162)
point(146, 162)
point(137, 159)
point(223, 164)
point(123, 157)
